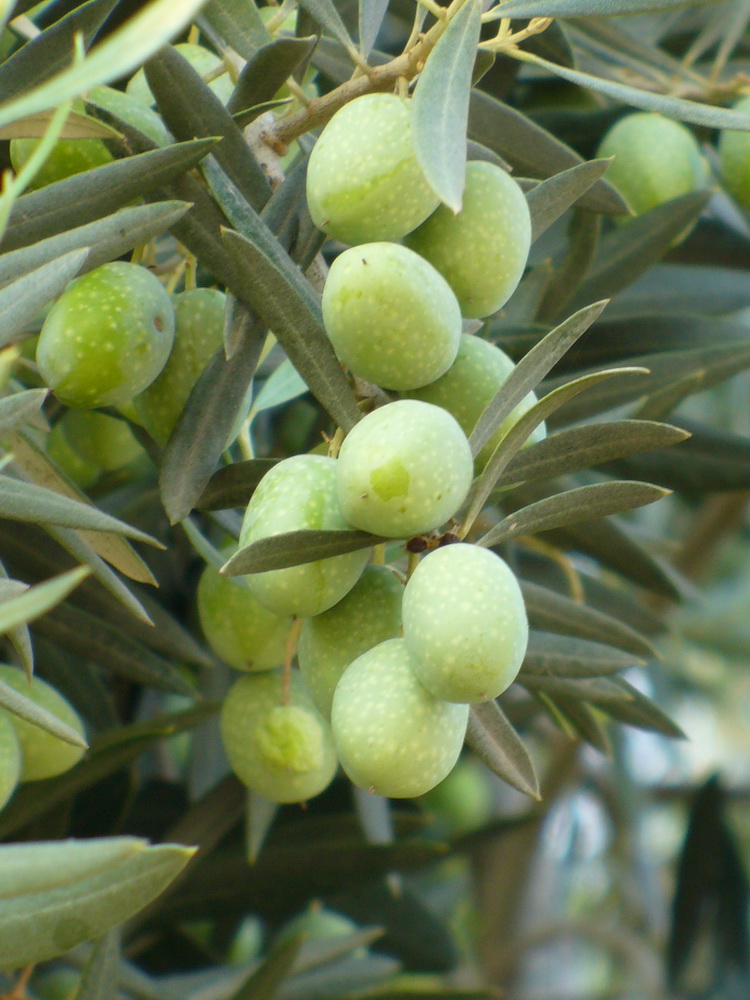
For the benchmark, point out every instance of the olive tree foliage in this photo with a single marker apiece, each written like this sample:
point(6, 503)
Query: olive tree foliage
point(617, 323)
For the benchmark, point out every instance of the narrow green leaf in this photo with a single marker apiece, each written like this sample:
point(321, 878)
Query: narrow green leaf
point(87, 196)
point(585, 503)
point(17, 409)
point(16, 703)
point(635, 709)
point(586, 447)
point(101, 973)
point(259, 817)
point(267, 71)
point(550, 611)
point(592, 8)
point(39, 867)
point(673, 107)
point(371, 14)
point(529, 371)
point(549, 199)
point(283, 385)
point(292, 548)
point(533, 150)
point(233, 485)
point(569, 267)
point(118, 55)
point(520, 431)
point(494, 740)
point(22, 501)
point(38, 600)
point(288, 306)
point(580, 718)
point(205, 424)
point(324, 13)
point(34, 928)
point(191, 110)
point(684, 289)
point(77, 126)
point(52, 50)
point(107, 238)
point(441, 106)
point(631, 249)
point(239, 23)
point(549, 654)
point(264, 982)
point(22, 300)
point(20, 637)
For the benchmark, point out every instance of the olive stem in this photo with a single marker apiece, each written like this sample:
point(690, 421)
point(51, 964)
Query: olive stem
point(414, 558)
point(564, 564)
point(19, 990)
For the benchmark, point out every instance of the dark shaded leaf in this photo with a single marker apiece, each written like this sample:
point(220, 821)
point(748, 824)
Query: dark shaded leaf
point(22, 299)
point(684, 288)
point(592, 8)
point(371, 14)
point(494, 740)
point(87, 196)
point(635, 709)
point(578, 717)
point(549, 199)
point(549, 654)
point(532, 149)
point(288, 306)
point(263, 983)
point(440, 106)
point(324, 13)
point(17, 409)
point(267, 71)
point(239, 22)
point(292, 548)
point(583, 503)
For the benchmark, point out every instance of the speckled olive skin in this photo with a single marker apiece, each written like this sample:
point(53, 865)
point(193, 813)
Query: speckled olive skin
point(465, 623)
point(10, 759)
point(469, 384)
point(300, 493)
point(392, 737)
point(284, 753)
point(107, 337)
point(392, 319)
point(655, 159)
point(363, 182)
point(42, 755)
point(198, 334)
point(482, 251)
point(203, 61)
point(239, 629)
point(404, 469)
point(369, 614)
point(734, 160)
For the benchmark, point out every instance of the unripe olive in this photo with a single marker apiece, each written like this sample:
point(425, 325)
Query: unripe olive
point(282, 751)
point(59, 984)
point(363, 180)
point(318, 923)
point(404, 469)
point(10, 759)
point(655, 159)
point(239, 629)
point(77, 468)
point(734, 159)
point(392, 737)
point(392, 319)
point(369, 614)
point(482, 251)
point(203, 61)
point(198, 334)
point(105, 441)
point(465, 623)
point(107, 337)
point(300, 493)
point(42, 755)
point(469, 384)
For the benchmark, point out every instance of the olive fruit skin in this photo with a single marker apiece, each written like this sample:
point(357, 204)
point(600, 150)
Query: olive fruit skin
point(42, 755)
point(300, 493)
point(77, 468)
point(404, 469)
point(465, 623)
point(107, 337)
point(283, 752)
point(10, 759)
point(105, 441)
point(239, 629)
point(368, 615)
point(481, 251)
point(479, 370)
point(655, 159)
point(363, 180)
point(392, 319)
point(203, 61)
point(198, 334)
point(392, 737)
point(734, 160)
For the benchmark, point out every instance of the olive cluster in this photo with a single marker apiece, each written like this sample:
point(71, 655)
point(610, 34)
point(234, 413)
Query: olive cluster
point(386, 672)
